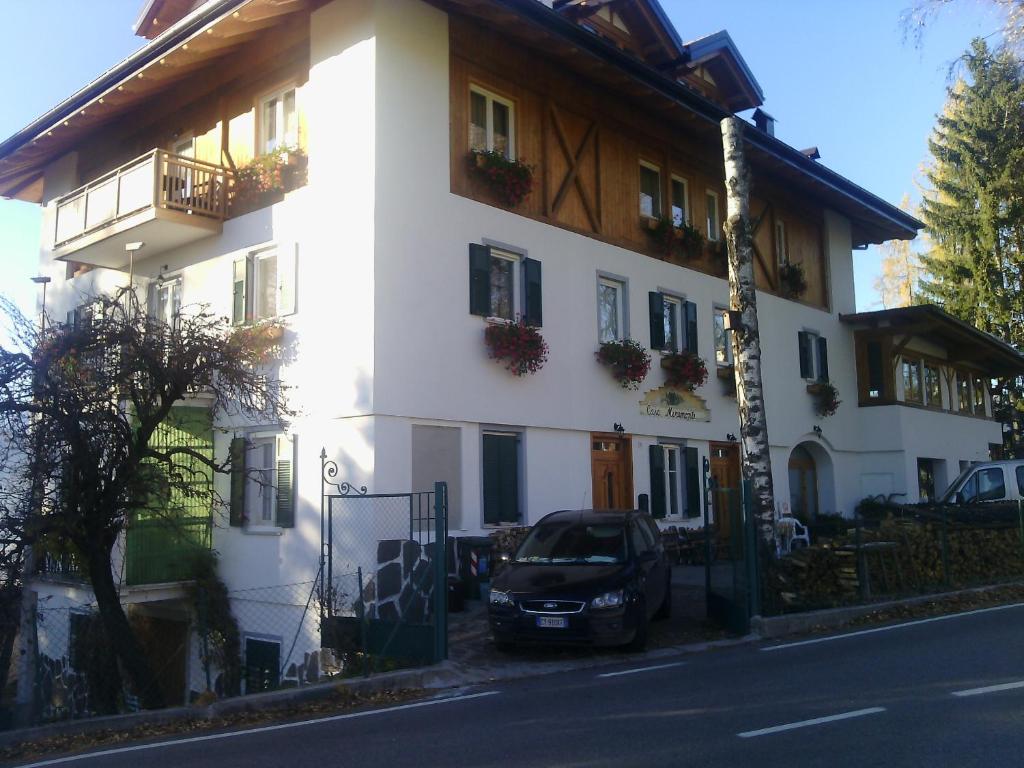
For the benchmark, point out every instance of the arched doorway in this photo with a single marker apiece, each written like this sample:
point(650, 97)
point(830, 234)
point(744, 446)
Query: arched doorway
point(803, 484)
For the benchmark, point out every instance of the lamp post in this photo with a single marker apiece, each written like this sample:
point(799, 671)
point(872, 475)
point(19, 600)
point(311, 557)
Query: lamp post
point(42, 280)
point(131, 249)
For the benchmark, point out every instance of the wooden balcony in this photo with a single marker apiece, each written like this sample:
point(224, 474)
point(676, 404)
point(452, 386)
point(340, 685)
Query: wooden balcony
point(163, 200)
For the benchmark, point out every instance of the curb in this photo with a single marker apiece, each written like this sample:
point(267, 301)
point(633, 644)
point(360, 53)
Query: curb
point(772, 627)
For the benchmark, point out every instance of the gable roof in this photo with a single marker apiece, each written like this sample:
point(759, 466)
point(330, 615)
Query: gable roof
point(718, 50)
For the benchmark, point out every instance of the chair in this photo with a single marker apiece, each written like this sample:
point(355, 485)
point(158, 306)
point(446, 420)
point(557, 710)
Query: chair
point(788, 530)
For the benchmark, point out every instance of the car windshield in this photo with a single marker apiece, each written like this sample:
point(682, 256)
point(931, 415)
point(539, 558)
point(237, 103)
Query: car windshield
point(949, 497)
point(574, 543)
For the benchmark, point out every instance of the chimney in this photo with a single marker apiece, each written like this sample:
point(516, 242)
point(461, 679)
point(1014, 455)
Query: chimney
point(764, 121)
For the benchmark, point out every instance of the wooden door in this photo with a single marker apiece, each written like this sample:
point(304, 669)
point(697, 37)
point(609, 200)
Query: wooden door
point(725, 483)
point(612, 472)
point(165, 643)
point(803, 485)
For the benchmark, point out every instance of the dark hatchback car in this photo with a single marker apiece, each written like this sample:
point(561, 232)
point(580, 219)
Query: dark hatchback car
point(583, 577)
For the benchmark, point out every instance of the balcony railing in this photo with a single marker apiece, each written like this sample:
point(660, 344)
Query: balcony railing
point(158, 181)
point(164, 550)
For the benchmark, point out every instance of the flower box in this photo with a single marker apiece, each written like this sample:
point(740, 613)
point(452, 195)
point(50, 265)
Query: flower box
point(627, 360)
point(792, 281)
point(510, 180)
point(519, 346)
point(826, 398)
point(684, 370)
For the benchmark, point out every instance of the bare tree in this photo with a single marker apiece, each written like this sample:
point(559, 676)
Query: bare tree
point(916, 19)
point(757, 464)
point(79, 407)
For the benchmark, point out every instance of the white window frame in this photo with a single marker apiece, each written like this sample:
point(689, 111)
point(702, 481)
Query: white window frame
point(621, 307)
point(686, 199)
point(490, 98)
point(813, 337)
point(714, 228)
point(655, 211)
point(255, 518)
point(679, 481)
point(719, 317)
point(516, 259)
point(260, 258)
point(169, 282)
point(671, 300)
point(280, 120)
point(781, 243)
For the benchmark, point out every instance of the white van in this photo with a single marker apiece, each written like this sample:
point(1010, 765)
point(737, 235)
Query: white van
point(987, 481)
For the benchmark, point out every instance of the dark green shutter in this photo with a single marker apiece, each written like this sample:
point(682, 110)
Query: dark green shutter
point(804, 343)
point(656, 305)
point(657, 456)
point(501, 479)
point(237, 459)
point(822, 359)
point(533, 313)
point(692, 461)
point(479, 280)
point(690, 312)
point(285, 483)
point(876, 378)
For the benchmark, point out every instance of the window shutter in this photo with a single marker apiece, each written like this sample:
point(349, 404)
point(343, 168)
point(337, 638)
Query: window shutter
point(690, 311)
point(533, 298)
point(501, 479)
point(656, 304)
point(285, 482)
point(287, 279)
point(240, 280)
point(822, 359)
point(151, 299)
point(804, 342)
point(479, 280)
point(692, 462)
point(510, 479)
point(657, 454)
point(236, 515)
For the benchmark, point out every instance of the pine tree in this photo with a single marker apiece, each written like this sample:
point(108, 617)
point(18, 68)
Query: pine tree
point(974, 211)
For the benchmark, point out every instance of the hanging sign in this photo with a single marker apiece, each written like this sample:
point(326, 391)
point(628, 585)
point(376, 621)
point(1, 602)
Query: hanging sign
point(670, 403)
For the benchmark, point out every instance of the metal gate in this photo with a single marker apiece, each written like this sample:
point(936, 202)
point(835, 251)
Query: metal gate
point(730, 556)
point(383, 589)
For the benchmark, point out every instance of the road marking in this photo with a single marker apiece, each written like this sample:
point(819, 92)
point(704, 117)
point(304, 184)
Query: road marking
point(642, 669)
point(890, 627)
point(990, 689)
point(815, 721)
point(262, 729)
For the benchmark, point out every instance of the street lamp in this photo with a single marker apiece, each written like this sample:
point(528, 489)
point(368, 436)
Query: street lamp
point(131, 248)
point(42, 280)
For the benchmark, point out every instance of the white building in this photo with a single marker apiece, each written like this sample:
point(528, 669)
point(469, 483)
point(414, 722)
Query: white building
point(371, 262)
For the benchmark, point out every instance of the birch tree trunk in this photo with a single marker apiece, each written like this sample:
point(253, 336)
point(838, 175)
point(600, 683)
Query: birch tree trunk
point(757, 463)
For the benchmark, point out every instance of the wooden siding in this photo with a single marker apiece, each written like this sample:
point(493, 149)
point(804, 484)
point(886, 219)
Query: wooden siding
point(586, 150)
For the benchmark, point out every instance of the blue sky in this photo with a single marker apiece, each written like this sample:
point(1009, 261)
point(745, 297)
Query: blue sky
point(836, 74)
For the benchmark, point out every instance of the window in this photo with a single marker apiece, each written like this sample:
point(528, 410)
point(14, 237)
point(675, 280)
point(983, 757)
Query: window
point(926, 479)
point(912, 381)
point(262, 481)
point(932, 386)
point(165, 301)
point(876, 373)
point(650, 190)
point(675, 481)
point(491, 123)
point(263, 285)
point(978, 390)
point(713, 224)
point(723, 344)
point(643, 539)
point(813, 351)
point(673, 323)
point(504, 285)
point(262, 665)
point(680, 201)
point(963, 392)
point(1020, 479)
point(781, 244)
point(279, 122)
point(991, 486)
point(500, 455)
point(611, 319)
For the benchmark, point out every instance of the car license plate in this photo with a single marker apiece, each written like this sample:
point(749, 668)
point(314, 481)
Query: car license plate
point(552, 622)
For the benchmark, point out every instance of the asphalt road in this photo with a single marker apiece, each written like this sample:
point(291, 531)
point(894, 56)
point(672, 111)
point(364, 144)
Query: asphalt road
point(905, 696)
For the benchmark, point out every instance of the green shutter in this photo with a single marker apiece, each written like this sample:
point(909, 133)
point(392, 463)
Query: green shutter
point(240, 271)
point(822, 359)
point(285, 482)
point(656, 307)
point(690, 313)
point(692, 483)
point(479, 280)
point(533, 306)
point(501, 479)
point(804, 344)
point(237, 459)
point(657, 461)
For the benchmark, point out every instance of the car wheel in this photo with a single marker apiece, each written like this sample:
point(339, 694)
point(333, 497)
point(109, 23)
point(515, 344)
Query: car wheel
point(665, 609)
point(639, 641)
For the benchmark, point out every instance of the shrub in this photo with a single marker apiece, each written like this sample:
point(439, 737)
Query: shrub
point(827, 400)
point(792, 280)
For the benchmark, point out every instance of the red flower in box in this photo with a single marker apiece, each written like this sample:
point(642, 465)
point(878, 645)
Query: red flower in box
point(510, 180)
point(628, 361)
point(684, 370)
point(519, 346)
